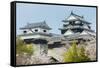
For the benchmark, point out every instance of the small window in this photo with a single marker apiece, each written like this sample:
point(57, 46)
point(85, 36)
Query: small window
point(65, 25)
point(36, 30)
point(72, 22)
point(44, 31)
point(24, 31)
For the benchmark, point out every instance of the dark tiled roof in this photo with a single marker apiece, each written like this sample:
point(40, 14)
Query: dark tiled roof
point(81, 27)
point(81, 18)
point(37, 25)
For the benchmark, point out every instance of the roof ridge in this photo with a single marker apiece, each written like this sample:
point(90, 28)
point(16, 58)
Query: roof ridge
point(37, 22)
point(76, 15)
point(41, 24)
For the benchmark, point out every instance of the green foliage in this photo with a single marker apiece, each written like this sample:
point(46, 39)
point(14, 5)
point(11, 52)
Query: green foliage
point(75, 54)
point(82, 55)
point(23, 48)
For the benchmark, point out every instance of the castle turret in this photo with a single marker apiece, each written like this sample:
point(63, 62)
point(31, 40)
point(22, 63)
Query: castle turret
point(35, 30)
point(75, 25)
point(38, 34)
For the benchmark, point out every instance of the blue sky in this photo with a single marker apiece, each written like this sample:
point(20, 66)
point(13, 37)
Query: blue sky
point(52, 14)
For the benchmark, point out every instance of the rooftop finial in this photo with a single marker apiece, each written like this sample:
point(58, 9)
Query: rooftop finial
point(82, 16)
point(44, 21)
point(72, 12)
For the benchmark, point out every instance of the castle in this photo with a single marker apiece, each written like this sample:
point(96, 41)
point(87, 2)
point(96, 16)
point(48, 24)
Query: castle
point(75, 27)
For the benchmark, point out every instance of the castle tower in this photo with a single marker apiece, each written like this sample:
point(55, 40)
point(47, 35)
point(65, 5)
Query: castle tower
point(35, 30)
point(37, 33)
point(76, 25)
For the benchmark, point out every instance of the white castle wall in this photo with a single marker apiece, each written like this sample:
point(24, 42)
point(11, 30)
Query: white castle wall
point(69, 32)
point(40, 30)
point(33, 36)
point(28, 31)
point(71, 18)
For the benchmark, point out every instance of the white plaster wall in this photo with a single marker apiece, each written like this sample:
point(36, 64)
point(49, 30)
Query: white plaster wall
point(71, 18)
point(84, 33)
point(92, 33)
point(33, 30)
point(77, 22)
point(40, 30)
point(69, 32)
point(33, 36)
point(85, 26)
point(66, 23)
point(28, 31)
